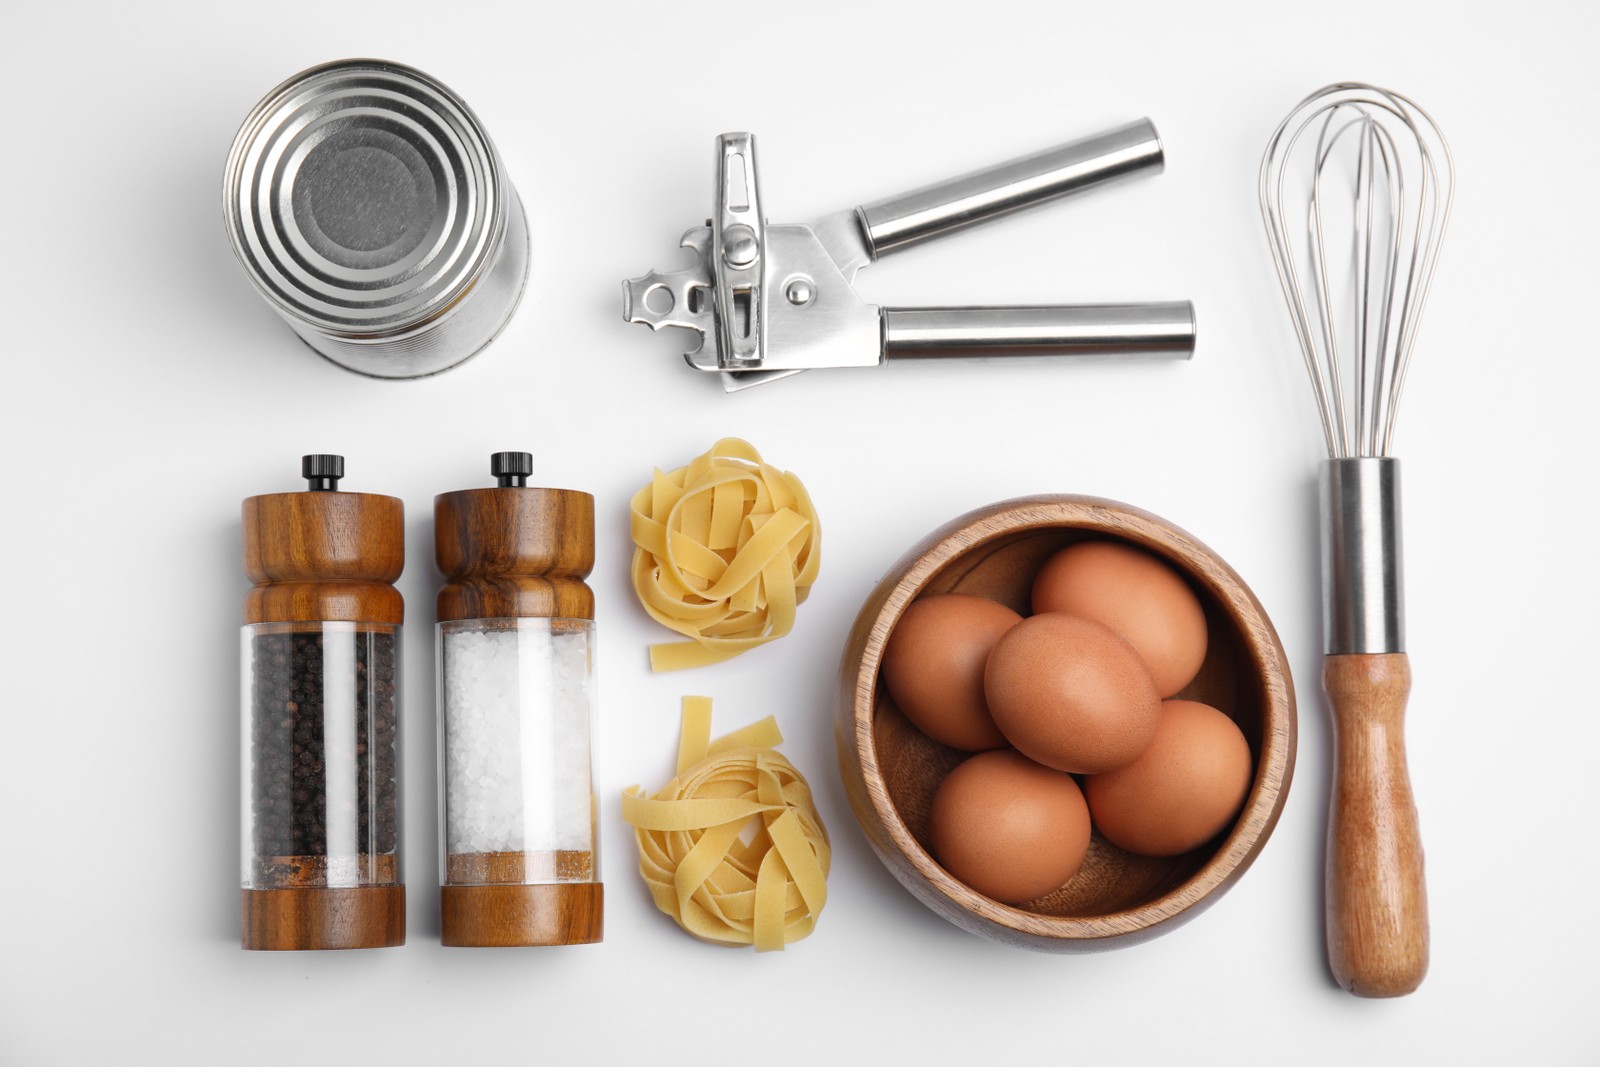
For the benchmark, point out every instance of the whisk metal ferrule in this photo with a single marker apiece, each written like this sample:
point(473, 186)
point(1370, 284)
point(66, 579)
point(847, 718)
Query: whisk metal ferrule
point(1362, 592)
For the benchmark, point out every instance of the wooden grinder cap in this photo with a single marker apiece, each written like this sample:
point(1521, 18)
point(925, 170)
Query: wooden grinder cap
point(323, 556)
point(516, 551)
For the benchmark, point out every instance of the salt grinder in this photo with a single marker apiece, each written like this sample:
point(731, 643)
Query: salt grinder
point(520, 862)
point(320, 717)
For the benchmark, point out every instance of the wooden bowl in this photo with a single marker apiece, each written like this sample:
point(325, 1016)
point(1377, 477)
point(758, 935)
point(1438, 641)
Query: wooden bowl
point(891, 769)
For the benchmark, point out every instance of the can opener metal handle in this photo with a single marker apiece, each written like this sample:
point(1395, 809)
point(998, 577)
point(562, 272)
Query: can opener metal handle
point(779, 299)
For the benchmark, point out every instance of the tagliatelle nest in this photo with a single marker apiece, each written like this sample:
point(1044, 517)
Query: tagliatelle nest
point(727, 548)
point(768, 892)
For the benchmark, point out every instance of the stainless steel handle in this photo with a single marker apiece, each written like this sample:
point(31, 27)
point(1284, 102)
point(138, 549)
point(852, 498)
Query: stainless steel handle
point(738, 253)
point(1160, 330)
point(935, 210)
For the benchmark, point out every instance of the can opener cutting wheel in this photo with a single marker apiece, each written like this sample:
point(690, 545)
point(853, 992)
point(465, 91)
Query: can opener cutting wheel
point(779, 299)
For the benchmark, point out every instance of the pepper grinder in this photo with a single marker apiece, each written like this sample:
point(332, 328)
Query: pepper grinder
point(320, 734)
point(520, 862)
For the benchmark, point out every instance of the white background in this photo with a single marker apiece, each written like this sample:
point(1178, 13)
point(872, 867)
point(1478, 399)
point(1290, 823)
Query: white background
point(148, 389)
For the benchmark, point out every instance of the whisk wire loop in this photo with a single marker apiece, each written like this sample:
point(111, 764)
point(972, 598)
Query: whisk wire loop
point(1400, 185)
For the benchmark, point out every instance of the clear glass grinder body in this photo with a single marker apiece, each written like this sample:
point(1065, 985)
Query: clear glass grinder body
point(515, 709)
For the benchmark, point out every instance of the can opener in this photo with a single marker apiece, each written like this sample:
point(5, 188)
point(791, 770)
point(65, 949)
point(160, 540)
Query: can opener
point(778, 299)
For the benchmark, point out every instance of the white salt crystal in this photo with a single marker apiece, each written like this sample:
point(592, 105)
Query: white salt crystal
point(516, 705)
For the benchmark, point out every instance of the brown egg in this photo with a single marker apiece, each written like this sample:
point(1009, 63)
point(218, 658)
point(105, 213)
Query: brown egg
point(933, 667)
point(1009, 828)
point(1070, 694)
point(1136, 594)
point(1184, 790)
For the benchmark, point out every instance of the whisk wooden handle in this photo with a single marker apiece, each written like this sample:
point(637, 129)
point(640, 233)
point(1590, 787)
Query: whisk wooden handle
point(1377, 902)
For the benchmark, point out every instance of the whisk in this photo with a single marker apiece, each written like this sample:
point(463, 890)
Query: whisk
point(1367, 179)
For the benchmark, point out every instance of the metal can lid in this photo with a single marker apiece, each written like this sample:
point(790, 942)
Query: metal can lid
point(364, 198)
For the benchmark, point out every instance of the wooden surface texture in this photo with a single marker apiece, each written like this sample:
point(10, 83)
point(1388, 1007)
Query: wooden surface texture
point(359, 917)
point(514, 552)
point(323, 556)
point(508, 916)
point(1377, 900)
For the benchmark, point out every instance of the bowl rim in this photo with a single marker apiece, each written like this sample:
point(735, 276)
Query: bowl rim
point(1275, 762)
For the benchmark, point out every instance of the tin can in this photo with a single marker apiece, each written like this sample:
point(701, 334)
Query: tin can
point(370, 208)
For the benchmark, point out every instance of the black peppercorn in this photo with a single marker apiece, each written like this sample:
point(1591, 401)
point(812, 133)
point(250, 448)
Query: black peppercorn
point(300, 718)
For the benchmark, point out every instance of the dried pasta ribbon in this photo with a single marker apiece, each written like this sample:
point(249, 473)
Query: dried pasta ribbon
point(727, 547)
point(766, 893)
